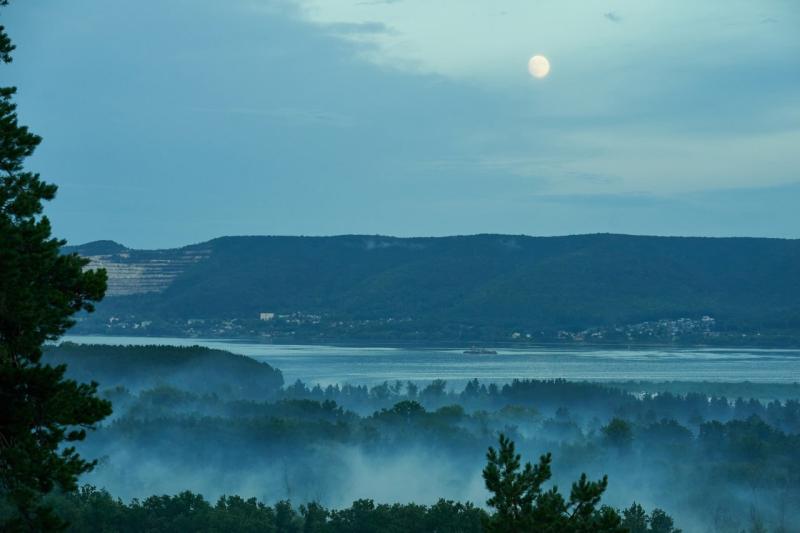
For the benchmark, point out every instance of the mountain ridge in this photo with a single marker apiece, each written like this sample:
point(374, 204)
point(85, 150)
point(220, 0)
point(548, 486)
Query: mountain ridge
point(502, 281)
point(90, 245)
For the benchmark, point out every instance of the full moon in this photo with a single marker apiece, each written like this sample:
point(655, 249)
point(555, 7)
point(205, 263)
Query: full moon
point(538, 66)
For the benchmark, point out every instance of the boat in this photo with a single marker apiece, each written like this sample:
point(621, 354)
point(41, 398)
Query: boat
point(480, 351)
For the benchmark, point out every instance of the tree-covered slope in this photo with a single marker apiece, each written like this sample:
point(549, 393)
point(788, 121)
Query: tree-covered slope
point(202, 370)
point(548, 282)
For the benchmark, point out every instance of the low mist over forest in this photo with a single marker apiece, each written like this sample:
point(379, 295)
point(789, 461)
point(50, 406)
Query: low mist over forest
point(222, 424)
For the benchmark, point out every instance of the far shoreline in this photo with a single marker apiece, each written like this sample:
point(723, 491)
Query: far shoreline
point(448, 345)
point(744, 385)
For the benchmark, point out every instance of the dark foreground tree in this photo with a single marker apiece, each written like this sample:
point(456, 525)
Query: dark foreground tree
point(636, 520)
point(521, 504)
point(40, 289)
point(90, 510)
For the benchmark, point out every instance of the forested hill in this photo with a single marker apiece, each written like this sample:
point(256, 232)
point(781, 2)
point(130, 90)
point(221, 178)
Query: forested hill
point(539, 283)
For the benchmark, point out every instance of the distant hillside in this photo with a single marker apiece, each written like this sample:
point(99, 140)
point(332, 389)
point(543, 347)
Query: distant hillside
point(201, 370)
point(484, 280)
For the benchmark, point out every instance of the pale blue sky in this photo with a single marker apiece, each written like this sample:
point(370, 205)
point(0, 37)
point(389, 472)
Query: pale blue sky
point(168, 122)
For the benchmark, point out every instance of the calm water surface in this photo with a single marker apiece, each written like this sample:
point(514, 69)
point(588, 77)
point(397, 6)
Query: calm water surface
point(363, 365)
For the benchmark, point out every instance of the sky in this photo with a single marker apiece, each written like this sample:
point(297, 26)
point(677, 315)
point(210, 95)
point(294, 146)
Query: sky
point(171, 122)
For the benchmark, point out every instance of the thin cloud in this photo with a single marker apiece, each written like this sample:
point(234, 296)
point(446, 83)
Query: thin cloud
point(352, 28)
point(378, 2)
point(294, 116)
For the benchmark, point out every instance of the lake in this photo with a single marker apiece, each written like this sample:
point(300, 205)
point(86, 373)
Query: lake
point(364, 365)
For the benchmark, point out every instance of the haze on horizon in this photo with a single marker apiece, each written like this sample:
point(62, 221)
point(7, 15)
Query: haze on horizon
point(168, 123)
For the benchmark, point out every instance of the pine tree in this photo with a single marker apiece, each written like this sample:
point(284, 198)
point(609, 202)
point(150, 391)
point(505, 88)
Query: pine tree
point(521, 504)
point(635, 518)
point(41, 412)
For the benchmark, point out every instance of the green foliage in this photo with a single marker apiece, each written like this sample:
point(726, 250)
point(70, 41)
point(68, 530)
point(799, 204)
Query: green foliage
point(661, 522)
point(636, 520)
point(475, 287)
point(91, 510)
point(513, 492)
point(192, 368)
point(40, 290)
point(521, 504)
point(618, 434)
